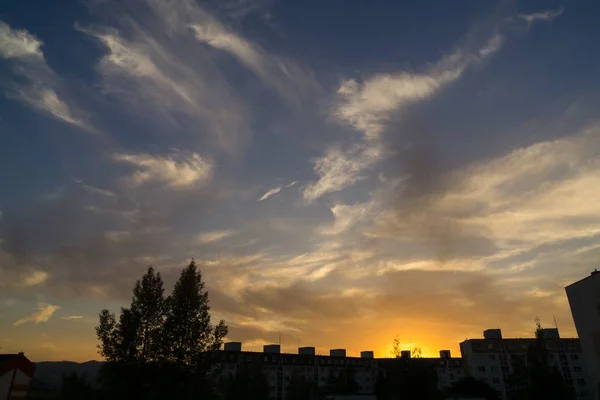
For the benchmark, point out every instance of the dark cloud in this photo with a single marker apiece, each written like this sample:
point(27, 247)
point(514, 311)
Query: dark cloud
point(83, 241)
point(426, 177)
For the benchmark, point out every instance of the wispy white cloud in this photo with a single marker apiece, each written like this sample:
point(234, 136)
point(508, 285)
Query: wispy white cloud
point(173, 79)
point(72, 317)
point(34, 278)
point(117, 236)
point(16, 43)
point(547, 15)
point(176, 170)
point(99, 191)
point(215, 35)
point(368, 106)
point(42, 84)
point(293, 83)
point(44, 313)
point(270, 192)
point(345, 216)
point(214, 236)
point(340, 168)
point(277, 189)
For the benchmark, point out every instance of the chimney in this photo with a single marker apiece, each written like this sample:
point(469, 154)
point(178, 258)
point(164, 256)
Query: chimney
point(232, 346)
point(445, 354)
point(306, 351)
point(492, 334)
point(550, 333)
point(366, 354)
point(405, 354)
point(272, 348)
point(337, 353)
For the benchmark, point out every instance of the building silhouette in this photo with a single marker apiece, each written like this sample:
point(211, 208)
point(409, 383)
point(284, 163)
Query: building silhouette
point(492, 360)
point(279, 368)
point(584, 300)
point(16, 372)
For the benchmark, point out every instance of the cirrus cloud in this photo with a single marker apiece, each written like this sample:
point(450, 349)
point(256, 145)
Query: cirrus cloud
point(176, 170)
point(43, 314)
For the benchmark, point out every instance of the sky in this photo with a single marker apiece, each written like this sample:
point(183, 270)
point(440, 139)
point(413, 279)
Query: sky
point(344, 172)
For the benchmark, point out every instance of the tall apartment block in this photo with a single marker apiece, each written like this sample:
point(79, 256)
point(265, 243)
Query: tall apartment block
point(491, 360)
point(584, 300)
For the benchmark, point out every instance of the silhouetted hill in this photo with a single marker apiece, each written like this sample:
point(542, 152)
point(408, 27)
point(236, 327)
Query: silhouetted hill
point(50, 372)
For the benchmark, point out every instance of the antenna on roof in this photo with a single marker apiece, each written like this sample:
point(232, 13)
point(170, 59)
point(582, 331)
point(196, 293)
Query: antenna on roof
point(555, 324)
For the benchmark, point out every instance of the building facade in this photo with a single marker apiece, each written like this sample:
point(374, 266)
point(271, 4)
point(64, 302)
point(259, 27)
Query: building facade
point(320, 369)
point(584, 300)
point(492, 358)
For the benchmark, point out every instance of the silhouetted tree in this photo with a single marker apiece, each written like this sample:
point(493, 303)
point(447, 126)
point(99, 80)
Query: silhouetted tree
point(138, 335)
point(416, 352)
point(469, 386)
point(533, 377)
point(407, 378)
point(187, 329)
point(161, 347)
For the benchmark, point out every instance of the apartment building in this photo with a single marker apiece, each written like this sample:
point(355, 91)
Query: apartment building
point(491, 360)
point(279, 368)
point(584, 300)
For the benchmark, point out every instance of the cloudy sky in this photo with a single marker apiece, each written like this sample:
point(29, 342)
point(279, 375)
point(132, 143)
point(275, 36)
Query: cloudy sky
point(344, 171)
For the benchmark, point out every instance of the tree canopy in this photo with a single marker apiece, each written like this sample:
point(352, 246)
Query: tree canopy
point(161, 339)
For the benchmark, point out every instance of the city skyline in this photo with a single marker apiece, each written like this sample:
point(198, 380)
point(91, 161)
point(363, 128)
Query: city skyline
point(342, 173)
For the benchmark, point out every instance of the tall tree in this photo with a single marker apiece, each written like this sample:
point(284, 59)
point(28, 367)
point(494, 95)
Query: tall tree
point(406, 377)
point(160, 348)
point(187, 327)
point(148, 304)
point(534, 377)
point(138, 335)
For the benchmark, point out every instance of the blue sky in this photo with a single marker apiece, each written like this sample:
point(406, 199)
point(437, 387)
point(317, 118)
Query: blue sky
point(345, 171)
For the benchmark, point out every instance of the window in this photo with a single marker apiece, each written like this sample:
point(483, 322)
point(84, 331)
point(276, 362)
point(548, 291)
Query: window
point(583, 394)
point(577, 369)
point(481, 369)
point(581, 381)
point(495, 381)
point(494, 369)
point(492, 357)
point(490, 346)
point(574, 357)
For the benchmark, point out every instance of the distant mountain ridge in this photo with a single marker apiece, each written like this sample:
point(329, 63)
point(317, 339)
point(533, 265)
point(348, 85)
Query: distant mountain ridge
point(50, 372)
